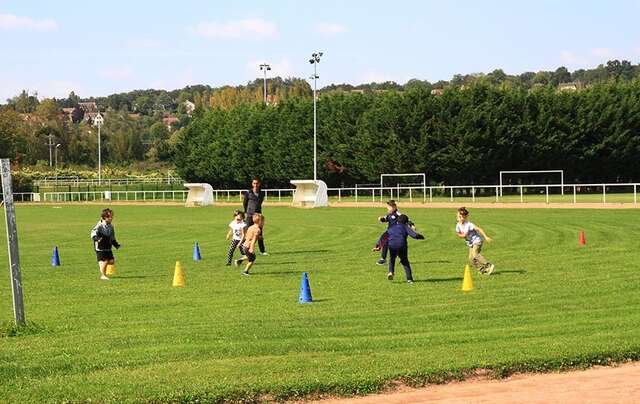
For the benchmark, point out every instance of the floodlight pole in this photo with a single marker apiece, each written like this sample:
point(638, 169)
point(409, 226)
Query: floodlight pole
point(315, 59)
point(98, 121)
point(12, 241)
point(264, 67)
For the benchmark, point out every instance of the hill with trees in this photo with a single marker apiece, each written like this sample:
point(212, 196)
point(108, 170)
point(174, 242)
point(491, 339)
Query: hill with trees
point(493, 115)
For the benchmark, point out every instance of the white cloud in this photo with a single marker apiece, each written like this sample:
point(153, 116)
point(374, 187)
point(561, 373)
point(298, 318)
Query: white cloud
point(119, 73)
point(330, 29)
point(282, 68)
point(12, 22)
point(250, 28)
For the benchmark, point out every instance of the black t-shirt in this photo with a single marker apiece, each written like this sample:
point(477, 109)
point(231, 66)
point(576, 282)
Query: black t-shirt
point(252, 203)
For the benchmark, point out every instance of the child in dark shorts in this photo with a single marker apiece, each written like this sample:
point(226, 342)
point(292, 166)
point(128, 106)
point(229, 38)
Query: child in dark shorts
point(248, 247)
point(104, 237)
point(395, 238)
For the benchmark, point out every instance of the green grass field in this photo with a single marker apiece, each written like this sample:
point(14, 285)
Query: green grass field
point(551, 304)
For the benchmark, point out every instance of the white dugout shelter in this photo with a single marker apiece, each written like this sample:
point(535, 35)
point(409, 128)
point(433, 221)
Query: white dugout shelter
point(310, 194)
point(200, 194)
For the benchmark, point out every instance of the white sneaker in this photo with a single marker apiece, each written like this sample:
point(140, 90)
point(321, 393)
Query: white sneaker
point(489, 269)
point(104, 278)
point(264, 253)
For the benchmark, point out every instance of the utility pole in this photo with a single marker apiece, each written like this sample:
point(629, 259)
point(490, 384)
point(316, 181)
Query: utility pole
point(50, 144)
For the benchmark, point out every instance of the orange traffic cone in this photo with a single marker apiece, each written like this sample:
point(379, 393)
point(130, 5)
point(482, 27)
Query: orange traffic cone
point(581, 239)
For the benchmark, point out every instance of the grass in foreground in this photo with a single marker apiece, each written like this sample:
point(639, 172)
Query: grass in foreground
point(551, 304)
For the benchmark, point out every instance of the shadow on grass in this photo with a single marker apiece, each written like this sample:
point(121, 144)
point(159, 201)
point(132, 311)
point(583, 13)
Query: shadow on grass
point(9, 330)
point(509, 271)
point(301, 252)
point(275, 273)
point(136, 276)
point(434, 262)
point(438, 280)
point(267, 264)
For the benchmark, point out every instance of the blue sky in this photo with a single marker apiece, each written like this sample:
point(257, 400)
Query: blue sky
point(56, 46)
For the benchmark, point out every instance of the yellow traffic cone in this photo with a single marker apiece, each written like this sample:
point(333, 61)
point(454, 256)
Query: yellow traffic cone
point(467, 281)
point(111, 269)
point(178, 275)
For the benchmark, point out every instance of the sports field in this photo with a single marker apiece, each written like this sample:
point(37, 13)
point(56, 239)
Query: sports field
point(550, 304)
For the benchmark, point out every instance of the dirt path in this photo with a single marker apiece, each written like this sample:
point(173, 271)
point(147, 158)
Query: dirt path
point(619, 384)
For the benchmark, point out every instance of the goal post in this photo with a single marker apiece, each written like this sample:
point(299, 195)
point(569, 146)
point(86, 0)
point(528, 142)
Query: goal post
point(422, 184)
point(561, 172)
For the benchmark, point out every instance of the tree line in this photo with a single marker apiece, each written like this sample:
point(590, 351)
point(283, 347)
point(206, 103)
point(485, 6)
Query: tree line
point(463, 135)
point(134, 131)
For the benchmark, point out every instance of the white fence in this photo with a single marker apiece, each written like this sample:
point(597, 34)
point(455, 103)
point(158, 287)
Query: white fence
point(92, 182)
point(547, 193)
point(133, 196)
point(541, 193)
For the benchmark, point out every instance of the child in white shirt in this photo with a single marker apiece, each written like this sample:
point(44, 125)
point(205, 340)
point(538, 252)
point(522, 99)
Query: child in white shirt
point(474, 237)
point(236, 232)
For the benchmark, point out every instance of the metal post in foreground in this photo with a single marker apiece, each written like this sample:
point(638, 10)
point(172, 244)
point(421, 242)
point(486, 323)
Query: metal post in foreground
point(12, 242)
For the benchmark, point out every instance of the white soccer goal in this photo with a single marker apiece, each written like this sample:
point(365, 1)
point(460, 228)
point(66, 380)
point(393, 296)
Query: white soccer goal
point(561, 172)
point(415, 180)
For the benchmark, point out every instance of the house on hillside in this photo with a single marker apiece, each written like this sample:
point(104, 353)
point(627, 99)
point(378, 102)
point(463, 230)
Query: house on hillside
point(189, 107)
point(89, 110)
point(272, 99)
point(72, 115)
point(169, 121)
point(571, 86)
point(437, 91)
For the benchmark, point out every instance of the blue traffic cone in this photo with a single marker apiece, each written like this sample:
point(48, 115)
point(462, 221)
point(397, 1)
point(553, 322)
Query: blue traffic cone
point(196, 252)
point(55, 258)
point(305, 290)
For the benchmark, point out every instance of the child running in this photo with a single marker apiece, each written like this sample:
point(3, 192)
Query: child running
point(474, 237)
point(248, 247)
point(390, 218)
point(104, 237)
point(236, 232)
point(396, 239)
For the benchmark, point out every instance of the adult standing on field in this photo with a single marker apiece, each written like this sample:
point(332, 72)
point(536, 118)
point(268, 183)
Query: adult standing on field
point(252, 203)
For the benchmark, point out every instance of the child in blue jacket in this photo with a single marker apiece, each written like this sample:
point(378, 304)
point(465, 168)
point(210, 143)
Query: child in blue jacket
point(395, 239)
